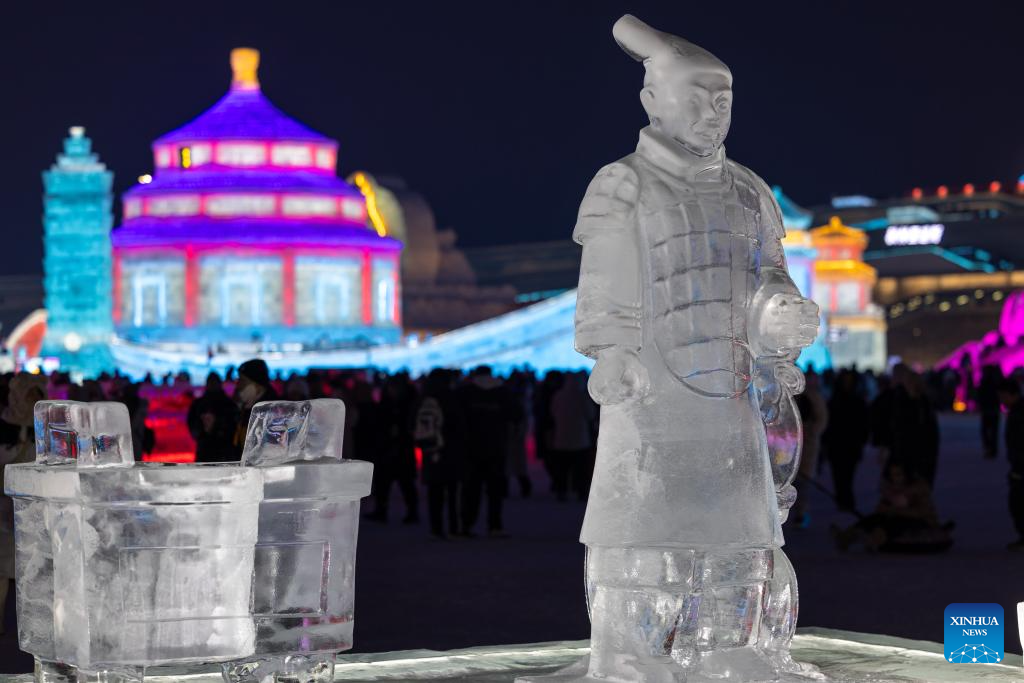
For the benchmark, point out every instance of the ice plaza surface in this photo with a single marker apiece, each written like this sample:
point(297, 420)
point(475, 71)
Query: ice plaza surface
point(843, 656)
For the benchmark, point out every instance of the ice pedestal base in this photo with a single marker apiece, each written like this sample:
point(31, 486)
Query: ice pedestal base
point(296, 668)
point(577, 673)
point(668, 671)
point(50, 672)
point(843, 656)
point(54, 672)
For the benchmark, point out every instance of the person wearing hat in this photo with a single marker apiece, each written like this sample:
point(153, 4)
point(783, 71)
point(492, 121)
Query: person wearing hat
point(252, 387)
point(686, 306)
point(212, 421)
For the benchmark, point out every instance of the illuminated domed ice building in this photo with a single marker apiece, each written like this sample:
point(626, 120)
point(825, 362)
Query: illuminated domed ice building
point(244, 233)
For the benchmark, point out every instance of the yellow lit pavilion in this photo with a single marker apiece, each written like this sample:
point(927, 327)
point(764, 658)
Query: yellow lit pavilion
point(842, 288)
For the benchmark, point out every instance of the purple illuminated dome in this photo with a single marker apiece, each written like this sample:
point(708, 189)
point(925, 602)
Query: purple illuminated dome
point(244, 233)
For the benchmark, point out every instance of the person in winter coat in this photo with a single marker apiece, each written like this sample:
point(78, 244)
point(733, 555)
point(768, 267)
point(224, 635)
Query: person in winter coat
point(880, 417)
point(395, 450)
point(904, 519)
point(520, 389)
point(1009, 395)
point(212, 421)
point(544, 425)
point(489, 411)
point(438, 432)
point(914, 426)
point(253, 386)
point(17, 445)
point(989, 408)
point(572, 438)
point(845, 436)
point(814, 415)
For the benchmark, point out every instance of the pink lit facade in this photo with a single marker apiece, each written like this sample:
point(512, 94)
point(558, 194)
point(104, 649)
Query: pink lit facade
point(245, 234)
point(1002, 347)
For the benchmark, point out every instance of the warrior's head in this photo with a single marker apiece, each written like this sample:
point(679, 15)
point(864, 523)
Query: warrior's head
point(687, 91)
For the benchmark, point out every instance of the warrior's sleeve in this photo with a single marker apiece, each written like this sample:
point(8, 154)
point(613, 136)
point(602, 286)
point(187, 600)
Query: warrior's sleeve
point(609, 299)
point(774, 275)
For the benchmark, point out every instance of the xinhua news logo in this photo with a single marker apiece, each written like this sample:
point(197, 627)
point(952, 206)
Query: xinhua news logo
point(973, 633)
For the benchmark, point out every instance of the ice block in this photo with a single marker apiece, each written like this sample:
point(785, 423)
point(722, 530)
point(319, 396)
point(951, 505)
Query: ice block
point(303, 587)
point(122, 565)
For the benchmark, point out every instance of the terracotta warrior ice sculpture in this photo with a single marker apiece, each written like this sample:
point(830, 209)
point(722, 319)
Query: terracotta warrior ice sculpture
point(686, 306)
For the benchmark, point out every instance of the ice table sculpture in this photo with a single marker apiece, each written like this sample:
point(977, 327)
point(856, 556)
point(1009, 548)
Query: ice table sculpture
point(303, 589)
point(122, 566)
point(686, 305)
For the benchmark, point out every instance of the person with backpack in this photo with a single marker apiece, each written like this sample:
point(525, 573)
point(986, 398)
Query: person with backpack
point(437, 428)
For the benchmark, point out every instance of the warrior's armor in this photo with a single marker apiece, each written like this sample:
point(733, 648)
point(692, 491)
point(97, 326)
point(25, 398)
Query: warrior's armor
point(704, 242)
point(676, 250)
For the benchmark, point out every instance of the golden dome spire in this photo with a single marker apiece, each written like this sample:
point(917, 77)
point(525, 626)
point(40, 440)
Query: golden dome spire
point(245, 61)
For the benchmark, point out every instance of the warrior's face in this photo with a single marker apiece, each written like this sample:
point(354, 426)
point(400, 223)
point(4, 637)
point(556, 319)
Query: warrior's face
point(692, 107)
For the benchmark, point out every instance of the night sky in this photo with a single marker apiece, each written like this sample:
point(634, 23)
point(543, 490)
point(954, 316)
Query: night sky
point(500, 113)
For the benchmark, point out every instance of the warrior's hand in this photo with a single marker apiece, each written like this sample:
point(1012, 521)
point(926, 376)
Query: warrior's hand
point(788, 323)
point(791, 377)
point(785, 497)
point(618, 376)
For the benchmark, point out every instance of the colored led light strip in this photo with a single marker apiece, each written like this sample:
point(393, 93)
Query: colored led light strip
point(279, 156)
point(230, 205)
point(371, 204)
point(288, 287)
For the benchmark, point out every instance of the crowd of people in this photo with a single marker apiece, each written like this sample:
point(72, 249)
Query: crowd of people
point(471, 435)
point(462, 440)
point(847, 412)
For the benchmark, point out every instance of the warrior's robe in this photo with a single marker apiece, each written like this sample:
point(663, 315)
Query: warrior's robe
point(679, 253)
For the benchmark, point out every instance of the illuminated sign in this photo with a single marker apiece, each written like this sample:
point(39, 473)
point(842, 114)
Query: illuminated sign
point(852, 201)
point(914, 235)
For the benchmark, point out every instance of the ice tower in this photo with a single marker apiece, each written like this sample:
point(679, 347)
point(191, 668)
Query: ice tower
point(76, 223)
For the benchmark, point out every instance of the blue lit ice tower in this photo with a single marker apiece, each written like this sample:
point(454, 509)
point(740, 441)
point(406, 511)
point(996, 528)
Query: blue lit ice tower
point(77, 263)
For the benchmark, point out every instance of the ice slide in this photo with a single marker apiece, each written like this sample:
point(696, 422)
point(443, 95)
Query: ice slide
point(539, 336)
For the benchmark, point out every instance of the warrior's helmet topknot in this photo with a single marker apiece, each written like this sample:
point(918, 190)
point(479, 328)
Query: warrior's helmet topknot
point(658, 50)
